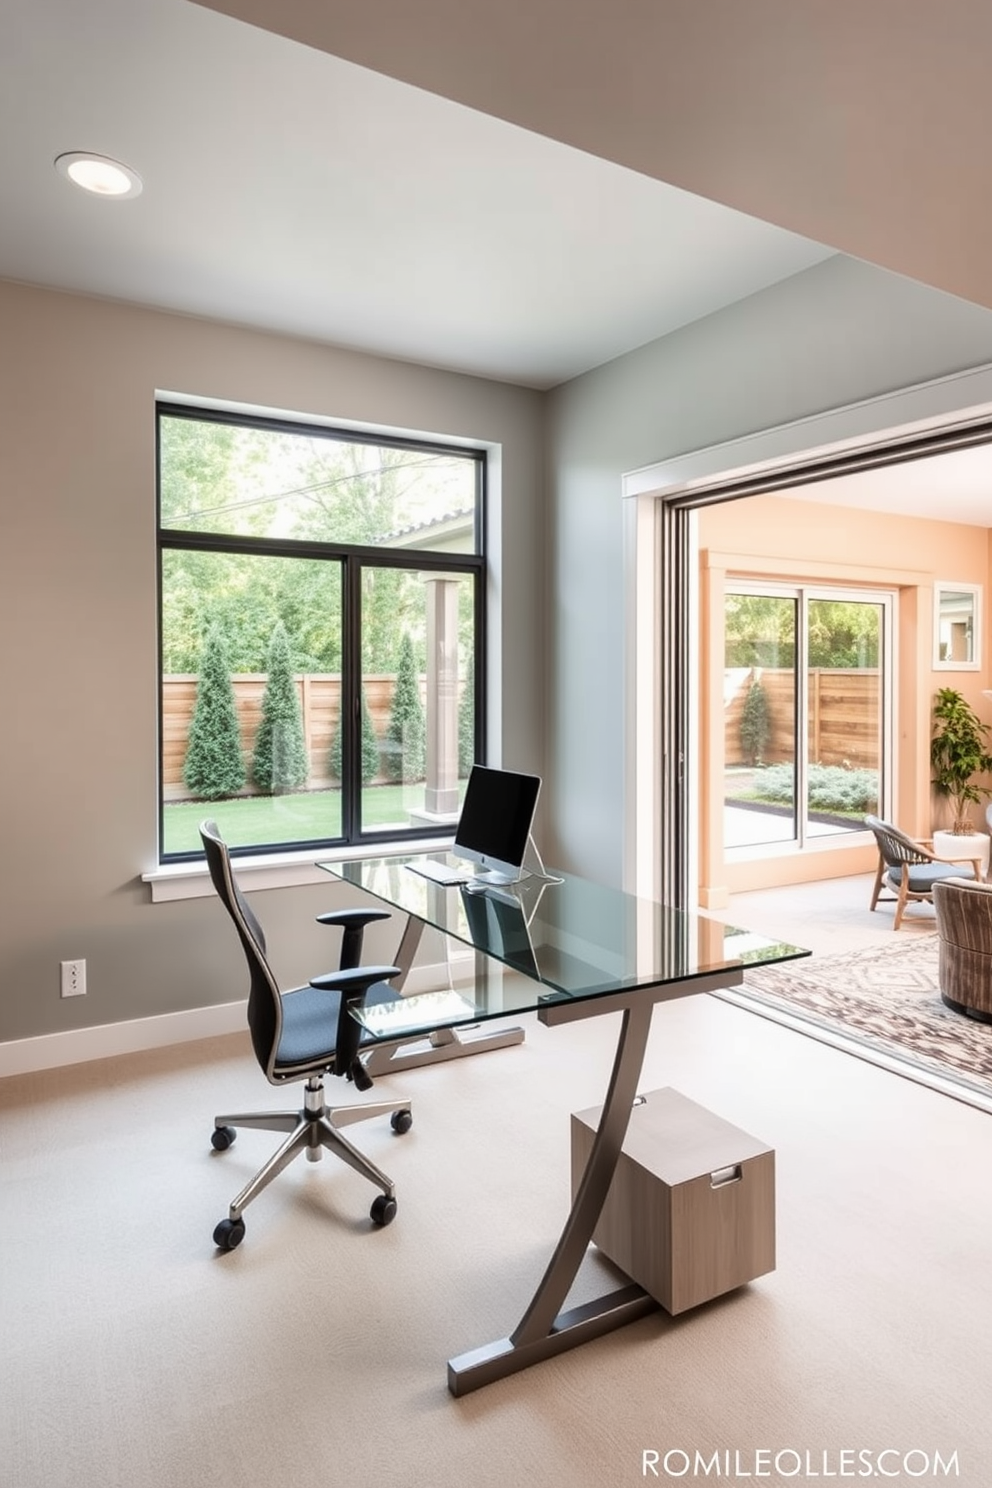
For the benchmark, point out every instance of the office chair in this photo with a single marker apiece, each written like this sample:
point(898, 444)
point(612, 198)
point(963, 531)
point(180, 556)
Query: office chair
point(304, 1034)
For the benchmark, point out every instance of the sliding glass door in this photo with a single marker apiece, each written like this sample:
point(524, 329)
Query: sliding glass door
point(807, 715)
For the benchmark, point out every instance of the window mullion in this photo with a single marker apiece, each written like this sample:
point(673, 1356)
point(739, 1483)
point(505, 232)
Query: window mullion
point(802, 719)
point(351, 674)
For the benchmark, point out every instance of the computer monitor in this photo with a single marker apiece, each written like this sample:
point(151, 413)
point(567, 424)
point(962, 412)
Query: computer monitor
point(495, 822)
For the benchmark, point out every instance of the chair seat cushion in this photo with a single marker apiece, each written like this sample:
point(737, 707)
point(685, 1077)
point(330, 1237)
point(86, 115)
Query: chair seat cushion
point(923, 876)
point(310, 1024)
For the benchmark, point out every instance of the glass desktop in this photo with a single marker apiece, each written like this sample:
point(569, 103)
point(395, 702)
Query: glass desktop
point(567, 941)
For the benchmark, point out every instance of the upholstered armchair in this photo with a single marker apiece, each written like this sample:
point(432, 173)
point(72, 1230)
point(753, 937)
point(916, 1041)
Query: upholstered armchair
point(964, 930)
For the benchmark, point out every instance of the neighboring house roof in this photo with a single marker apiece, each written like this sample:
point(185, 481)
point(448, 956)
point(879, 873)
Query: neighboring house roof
point(439, 534)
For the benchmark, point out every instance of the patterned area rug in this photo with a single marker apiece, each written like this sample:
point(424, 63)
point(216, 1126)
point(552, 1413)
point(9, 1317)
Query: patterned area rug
point(884, 1005)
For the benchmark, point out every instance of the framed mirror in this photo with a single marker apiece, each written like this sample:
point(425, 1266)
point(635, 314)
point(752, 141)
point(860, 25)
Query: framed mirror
point(957, 627)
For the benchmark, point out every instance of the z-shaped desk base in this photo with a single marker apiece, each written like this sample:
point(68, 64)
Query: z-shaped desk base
point(544, 1329)
point(443, 1043)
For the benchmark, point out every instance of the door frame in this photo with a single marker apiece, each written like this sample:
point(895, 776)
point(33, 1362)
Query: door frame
point(661, 583)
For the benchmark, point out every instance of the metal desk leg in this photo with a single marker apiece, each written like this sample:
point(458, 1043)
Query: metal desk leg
point(543, 1330)
point(443, 1043)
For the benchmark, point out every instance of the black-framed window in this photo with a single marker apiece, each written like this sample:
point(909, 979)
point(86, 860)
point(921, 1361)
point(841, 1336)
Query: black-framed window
point(321, 604)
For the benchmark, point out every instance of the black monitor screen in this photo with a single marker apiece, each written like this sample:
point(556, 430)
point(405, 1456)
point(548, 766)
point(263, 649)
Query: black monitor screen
point(496, 816)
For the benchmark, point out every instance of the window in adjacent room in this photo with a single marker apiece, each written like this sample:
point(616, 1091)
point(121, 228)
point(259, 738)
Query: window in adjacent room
point(807, 717)
point(321, 604)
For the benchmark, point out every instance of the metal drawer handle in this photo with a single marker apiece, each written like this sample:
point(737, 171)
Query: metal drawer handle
point(723, 1176)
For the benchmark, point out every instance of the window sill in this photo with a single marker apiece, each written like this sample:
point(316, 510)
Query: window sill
point(274, 870)
point(835, 842)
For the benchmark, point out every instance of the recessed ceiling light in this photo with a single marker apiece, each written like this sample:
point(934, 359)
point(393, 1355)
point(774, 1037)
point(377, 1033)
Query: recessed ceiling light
point(98, 174)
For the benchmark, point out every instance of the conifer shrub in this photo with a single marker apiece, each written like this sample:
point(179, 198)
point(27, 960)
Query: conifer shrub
point(466, 722)
point(214, 766)
point(370, 747)
point(755, 726)
point(279, 762)
point(406, 732)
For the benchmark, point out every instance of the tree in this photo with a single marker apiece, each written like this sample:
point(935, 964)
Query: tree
point(466, 721)
point(214, 767)
point(370, 747)
point(755, 724)
point(760, 631)
point(406, 732)
point(280, 760)
point(843, 633)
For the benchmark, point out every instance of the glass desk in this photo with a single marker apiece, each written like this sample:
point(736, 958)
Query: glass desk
point(581, 950)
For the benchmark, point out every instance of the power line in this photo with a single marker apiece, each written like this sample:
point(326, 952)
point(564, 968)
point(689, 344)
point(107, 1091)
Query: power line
point(312, 489)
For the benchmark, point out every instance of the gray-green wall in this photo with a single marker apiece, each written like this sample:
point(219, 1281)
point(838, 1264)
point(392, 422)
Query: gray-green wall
point(78, 692)
point(833, 335)
point(78, 379)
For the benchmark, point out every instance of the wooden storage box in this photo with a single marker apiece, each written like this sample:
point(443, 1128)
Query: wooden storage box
point(691, 1210)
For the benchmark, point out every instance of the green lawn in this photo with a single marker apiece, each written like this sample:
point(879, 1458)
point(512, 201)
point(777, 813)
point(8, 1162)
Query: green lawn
point(248, 821)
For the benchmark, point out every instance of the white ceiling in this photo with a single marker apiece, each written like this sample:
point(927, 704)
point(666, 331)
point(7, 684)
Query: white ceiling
point(287, 189)
point(953, 487)
point(290, 190)
point(862, 126)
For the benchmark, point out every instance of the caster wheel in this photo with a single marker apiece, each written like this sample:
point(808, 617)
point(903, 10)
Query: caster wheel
point(383, 1210)
point(229, 1234)
point(222, 1137)
point(401, 1121)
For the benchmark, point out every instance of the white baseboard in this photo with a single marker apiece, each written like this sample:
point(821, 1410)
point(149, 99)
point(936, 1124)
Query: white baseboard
point(77, 1045)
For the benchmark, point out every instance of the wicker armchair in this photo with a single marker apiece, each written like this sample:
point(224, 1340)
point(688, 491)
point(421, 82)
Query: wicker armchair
point(964, 930)
point(910, 867)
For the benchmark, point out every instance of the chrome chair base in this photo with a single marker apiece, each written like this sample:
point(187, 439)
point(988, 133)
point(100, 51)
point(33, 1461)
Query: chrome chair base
point(309, 1131)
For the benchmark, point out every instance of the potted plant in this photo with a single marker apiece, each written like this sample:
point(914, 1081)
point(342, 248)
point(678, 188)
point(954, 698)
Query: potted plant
point(958, 753)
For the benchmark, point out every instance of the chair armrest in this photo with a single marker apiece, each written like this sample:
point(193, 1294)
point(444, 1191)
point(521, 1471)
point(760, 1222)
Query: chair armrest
point(353, 922)
point(352, 986)
point(926, 844)
point(355, 982)
point(352, 916)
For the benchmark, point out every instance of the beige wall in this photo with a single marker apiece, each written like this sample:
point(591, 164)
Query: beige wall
point(777, 538)
point(78, 379)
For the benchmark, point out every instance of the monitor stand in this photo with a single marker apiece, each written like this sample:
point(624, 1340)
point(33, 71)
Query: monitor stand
point(489, 877)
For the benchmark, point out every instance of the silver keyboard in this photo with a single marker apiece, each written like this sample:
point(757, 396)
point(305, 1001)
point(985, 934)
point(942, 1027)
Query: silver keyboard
point(441, 873)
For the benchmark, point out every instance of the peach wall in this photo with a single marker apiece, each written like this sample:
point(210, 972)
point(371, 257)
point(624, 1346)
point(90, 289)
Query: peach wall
point(784, 539)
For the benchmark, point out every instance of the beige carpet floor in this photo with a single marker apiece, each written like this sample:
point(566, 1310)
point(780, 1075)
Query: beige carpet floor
point(134, 1356)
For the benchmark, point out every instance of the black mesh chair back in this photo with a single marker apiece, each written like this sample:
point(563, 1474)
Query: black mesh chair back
point(264, 1001)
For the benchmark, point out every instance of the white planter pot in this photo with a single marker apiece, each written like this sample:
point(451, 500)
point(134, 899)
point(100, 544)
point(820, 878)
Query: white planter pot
point(947, 845)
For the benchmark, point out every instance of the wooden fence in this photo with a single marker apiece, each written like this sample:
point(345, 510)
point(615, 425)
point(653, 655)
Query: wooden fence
point(843, 716)
point(320, 705)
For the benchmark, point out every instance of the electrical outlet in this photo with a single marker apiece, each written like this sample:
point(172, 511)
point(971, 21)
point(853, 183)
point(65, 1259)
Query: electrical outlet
point(73, 978)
